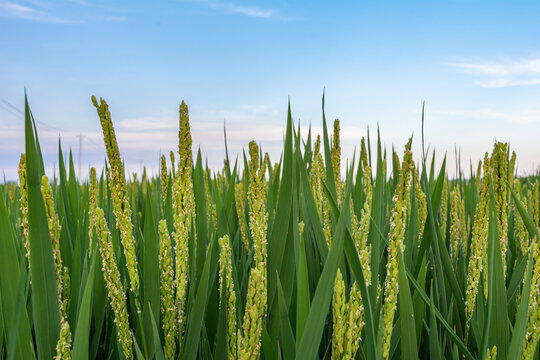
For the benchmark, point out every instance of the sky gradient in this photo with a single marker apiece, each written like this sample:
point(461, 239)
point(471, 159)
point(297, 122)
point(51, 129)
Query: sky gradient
point(476, 64)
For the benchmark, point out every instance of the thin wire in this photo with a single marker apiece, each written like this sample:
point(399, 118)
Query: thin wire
point(11, 106)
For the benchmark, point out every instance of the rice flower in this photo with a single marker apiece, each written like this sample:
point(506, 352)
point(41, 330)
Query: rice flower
point(478, 242)
point(499, 166)
point(336, 160)
point(348, 326)
point(173, 164)
point(226, 288)
point(316, 177)
point(239, 198)
point(530, 343)
point(24, 204)
point(444, 207)
point(184, 214)
point(521, 235)
point(250, 343)
point(360, 228)
point(301, 226)
point(63, 346)
point(535, 205)
point(166, 277)
point(396, 161)
point(257, 199)
point(54, 231)
point(12, 190)
point(355, 322)
point(395, 238)
point(512, 168)
point(267, 162)
point(420, 198)
point(92, 204)
point(458, 226)
point(210, 207)
point(339, 315)
point(479, 170)
point(117, 185)
point(163, 179)
point(492, 355)
point(115, 291)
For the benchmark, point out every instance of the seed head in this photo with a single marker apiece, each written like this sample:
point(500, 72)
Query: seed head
point(395, 238)
point(115, 291)
point(168, 310)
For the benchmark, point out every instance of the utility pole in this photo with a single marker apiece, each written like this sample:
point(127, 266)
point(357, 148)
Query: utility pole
point(80, 154)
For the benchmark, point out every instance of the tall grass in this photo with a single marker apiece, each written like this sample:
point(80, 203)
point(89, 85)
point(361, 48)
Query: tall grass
point(391, 260)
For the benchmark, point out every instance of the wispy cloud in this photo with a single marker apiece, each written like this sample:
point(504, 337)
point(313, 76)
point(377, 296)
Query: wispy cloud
point(522, 116)
point(13, 10)
point(503, 73)
point(251, 11)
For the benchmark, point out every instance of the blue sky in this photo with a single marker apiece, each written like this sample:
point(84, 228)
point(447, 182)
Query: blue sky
point(475, 63)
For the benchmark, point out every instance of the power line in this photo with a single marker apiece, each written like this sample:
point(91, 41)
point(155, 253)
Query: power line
point(5, 108)
point(19, 113)
point(14, 110)
point(92, 141)
point(11, 106)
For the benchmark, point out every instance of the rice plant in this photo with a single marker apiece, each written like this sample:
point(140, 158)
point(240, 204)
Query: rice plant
point(269, 260)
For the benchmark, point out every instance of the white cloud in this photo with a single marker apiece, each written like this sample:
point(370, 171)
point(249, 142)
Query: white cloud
point(503, 73)
point(251, 11)
point(13, 10)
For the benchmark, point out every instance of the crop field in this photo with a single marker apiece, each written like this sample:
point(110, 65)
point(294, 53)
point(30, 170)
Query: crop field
point(285, 258)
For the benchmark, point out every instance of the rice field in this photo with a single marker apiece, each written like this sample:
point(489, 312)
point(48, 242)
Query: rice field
point(269, 258)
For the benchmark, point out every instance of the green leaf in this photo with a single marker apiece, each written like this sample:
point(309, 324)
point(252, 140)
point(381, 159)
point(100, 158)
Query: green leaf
point(409, 348)
point(82, 331)
point(138, 352)
point(12, 285)
point(287, 337)
point(520, 327)
point(197, 313)
point(201, 216)
point(220, 350)
point(309, 343)
point(150, 268)
point(157, 343)
point(434, 345)
point(278, 232)
point(441, 319)
point(529, 223)
point(45, 308)
point(498, 324)
point(302, 300)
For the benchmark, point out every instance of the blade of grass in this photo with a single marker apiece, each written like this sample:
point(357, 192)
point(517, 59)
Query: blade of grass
point(157, 343)
point(12, 285)
point(441, 319)
point(198, 310)
point(498, 333)
point(44, 292)
point(150, 269)
point(520, 327)
point(82, 331)
point(309, 343)
point(409, 348)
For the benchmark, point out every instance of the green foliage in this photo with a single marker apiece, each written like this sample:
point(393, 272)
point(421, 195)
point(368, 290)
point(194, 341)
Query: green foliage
point(290, 228)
